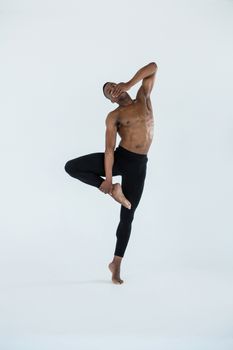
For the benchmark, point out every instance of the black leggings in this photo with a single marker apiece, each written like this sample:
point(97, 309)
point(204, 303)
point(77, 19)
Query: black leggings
point(131, 166)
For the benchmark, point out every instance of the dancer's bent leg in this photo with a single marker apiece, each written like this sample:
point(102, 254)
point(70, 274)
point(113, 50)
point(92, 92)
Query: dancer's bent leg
point(88, 168)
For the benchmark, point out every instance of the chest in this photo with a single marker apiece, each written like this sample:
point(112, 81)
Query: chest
point(134, 115)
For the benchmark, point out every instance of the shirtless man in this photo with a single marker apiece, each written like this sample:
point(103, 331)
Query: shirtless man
point(133, 121)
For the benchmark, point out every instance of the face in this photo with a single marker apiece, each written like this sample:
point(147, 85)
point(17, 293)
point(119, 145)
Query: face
point(109, 88)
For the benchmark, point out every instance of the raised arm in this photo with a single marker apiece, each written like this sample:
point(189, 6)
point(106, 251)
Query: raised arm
point(110, 143)
point(146, 74)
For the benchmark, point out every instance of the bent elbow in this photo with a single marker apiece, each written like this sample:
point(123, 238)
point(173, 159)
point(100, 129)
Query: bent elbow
point(154, 66)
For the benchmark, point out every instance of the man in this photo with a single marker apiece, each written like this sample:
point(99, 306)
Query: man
point(133, 121)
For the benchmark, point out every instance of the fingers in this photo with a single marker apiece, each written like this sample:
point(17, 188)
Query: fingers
point(117, 93)
point(104, 191)
point(105, 188)
point(117, 90)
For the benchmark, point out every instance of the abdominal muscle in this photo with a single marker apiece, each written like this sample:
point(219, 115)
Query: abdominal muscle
point(137, 138)
point(136, 127)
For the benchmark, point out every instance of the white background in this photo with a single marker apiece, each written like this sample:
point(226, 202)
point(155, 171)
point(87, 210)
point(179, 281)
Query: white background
point(58, 234)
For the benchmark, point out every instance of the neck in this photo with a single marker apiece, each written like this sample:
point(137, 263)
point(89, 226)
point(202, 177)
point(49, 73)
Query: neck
point(125, 100)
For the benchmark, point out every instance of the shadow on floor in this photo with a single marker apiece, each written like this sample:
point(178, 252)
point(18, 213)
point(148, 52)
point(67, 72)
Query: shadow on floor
point(56, 283)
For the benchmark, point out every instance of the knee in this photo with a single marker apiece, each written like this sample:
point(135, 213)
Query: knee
point(68, 167)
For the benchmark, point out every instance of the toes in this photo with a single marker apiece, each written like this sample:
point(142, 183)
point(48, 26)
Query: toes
point(117, 281)
point(128, 204)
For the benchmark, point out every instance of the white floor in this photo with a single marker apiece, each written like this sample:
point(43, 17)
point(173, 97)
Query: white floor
point(164, 309)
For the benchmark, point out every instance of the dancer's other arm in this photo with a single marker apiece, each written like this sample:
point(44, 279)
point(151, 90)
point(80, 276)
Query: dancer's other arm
point(110, 143)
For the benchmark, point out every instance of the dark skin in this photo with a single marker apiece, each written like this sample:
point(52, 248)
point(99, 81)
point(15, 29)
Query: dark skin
point(132, 120)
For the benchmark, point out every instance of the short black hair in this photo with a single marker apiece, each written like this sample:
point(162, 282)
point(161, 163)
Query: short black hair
point(104, 87)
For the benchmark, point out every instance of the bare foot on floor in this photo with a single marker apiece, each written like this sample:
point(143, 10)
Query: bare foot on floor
point(115, 269)
point(118, 195)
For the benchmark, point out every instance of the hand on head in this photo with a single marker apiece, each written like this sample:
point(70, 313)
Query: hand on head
point(119, 88)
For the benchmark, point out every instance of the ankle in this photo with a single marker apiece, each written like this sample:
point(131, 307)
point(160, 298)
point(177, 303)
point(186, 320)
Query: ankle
point(117, 259)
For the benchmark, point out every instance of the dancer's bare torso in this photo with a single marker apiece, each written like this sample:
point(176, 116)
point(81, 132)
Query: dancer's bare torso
point(135, 125)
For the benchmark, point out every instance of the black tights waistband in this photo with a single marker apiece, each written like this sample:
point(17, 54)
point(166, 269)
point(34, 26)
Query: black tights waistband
point(131, 154)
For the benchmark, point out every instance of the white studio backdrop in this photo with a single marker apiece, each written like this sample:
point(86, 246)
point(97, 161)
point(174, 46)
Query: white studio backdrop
point(57, 235)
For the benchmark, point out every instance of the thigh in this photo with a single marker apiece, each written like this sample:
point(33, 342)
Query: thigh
point(92, 162)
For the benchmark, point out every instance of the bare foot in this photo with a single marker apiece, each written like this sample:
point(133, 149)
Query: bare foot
point(118, 195)
point(115, 269)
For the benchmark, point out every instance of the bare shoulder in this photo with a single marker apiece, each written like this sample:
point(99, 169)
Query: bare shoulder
point(140, 94)
point(144, 100)
point(112, 117)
